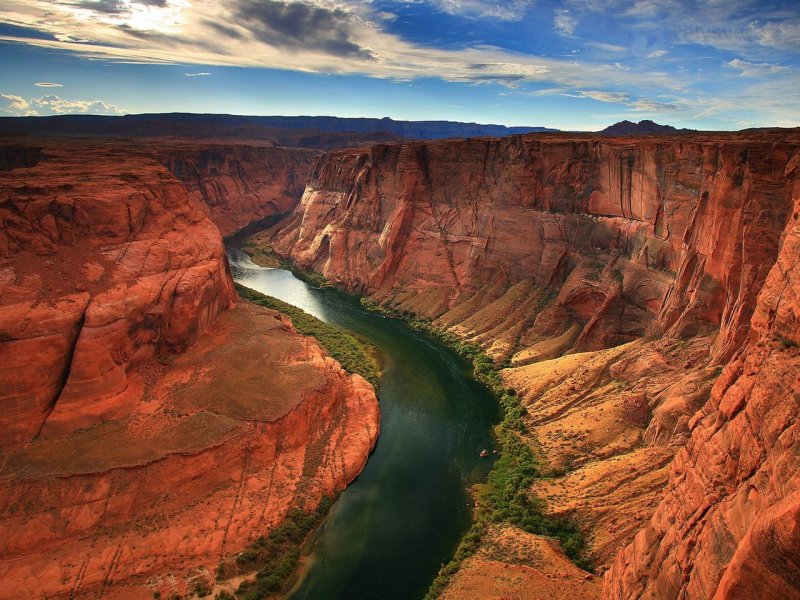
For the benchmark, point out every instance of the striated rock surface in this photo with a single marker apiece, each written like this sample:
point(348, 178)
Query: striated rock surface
point(634, 236)
point(106, 263)
point(149, 429)
point(240, 183)
point(728, 524)
point(643, 292)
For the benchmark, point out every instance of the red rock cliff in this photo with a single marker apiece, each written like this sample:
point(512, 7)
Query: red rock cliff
point(537, 246)
point(106, 263)
point(729, 523)
point(148, 428)
point(240, 183)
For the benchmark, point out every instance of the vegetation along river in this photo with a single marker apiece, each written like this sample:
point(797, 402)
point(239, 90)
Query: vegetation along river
point(391, 530)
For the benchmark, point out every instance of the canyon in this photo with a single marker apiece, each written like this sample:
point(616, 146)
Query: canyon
point(152, 426)
point(642, 296)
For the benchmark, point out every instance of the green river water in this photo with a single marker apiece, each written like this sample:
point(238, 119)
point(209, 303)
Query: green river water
point(390, 531)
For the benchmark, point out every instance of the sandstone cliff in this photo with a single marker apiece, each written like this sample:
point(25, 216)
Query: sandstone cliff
point(149, 428)
point(240, 183)
point(617, 277)
point(728, 525)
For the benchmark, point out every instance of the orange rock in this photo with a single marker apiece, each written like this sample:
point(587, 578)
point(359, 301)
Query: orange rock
point(148, 428)
point(240, 183)
point(694, 238)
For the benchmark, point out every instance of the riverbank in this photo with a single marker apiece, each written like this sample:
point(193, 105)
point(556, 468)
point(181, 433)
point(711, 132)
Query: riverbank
point(393, 528)
point(354, 354)
point(505, 498)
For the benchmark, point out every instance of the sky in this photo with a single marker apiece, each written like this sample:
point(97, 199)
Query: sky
point(570, 64)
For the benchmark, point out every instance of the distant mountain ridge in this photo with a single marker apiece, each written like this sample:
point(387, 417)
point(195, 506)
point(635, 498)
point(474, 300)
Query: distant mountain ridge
point(642, 128)
point(190, 124)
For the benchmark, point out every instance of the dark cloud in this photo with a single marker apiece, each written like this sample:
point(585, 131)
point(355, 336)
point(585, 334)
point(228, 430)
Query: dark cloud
point(298, 25)
point(116, 7)
point(108, 7)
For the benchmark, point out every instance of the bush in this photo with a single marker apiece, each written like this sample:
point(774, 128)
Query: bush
point(274, 557)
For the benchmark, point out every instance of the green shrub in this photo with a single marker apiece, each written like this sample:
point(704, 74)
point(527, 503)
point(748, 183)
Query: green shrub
point(274, 557)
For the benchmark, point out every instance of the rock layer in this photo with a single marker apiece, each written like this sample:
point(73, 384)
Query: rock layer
point(549, 250)
point(106, 263)
point(727, 526)
point(149, 429)
point(240, 183)
point(636, 236)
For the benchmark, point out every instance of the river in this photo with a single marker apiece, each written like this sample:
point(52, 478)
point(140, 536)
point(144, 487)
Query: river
point(390, 530)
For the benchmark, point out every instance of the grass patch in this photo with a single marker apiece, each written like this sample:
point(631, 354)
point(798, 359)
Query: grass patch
point(504, 498)
point(261, 257)
point(351, 352)
point(274, 557)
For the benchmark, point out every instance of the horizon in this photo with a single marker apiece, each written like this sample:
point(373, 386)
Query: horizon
point(330, 116)
point(573, 65)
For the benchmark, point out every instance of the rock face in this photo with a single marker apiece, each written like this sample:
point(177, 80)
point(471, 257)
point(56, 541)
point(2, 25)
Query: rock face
point(619, 277)
point(241, 183)
point(649, 236)
point(729, 523)
point(106, 263)
point(149, 429)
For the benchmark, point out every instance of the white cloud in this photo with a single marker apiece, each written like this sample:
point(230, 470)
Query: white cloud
point(197, 74)
point(616, 97)
point(318, 36)
point(638, 105)
point(51, 104)
point(47, 84)
point(564, 22)
point(15, 105)
point(748, 69)
point(657, 54)
point(502, 10)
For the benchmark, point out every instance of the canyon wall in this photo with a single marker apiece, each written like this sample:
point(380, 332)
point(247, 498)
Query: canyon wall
point(728, 525)
point(240, 183)
point(617, 277)
point(150, 427)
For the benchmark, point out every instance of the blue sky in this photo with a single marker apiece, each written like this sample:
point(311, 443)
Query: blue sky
point(573, 64)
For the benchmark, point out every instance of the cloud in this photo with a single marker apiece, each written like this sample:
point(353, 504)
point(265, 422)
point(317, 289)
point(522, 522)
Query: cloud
point(203, 74)
point(15, 105)
point(54, 104)
point(501, 10)
point(564, 22)
point(656, 54)
point(47, 84)
point(637, 105)
point(297, 25)
point(317, 36)
point(617, 97)
point(749, 69)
